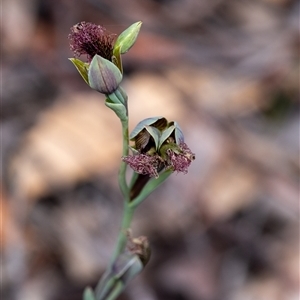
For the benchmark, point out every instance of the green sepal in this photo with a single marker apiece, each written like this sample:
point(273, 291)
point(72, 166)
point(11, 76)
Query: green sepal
point(88, 294)
point(149, 121)
point(155, 133)
point(166, 133)
point(179, 137)
point(127, 38)
point(82, 68)
point(103, 76)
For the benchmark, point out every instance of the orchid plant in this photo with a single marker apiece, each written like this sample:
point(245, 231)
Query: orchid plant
point(154, 149)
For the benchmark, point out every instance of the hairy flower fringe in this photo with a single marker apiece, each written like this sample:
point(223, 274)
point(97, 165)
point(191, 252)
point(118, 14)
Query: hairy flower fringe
point(91, 39)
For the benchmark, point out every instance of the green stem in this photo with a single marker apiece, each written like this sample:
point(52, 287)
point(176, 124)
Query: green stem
point(122, 172)
point(128, 211)
point(122, 237)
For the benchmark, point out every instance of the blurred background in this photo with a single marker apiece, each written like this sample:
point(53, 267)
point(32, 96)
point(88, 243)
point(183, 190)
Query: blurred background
point(228, 72)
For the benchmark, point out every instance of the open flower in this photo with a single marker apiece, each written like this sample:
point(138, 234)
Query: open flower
point(91, 39)
point(158, 145)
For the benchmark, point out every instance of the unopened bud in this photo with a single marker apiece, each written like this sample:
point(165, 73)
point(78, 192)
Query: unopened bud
point(103, 75)
point(127, 38)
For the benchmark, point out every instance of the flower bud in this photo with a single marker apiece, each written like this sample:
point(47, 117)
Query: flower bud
point(127, 38)
point(103, 75)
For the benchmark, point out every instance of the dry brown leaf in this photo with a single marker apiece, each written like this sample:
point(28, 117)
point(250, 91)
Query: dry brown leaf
point(76, 138)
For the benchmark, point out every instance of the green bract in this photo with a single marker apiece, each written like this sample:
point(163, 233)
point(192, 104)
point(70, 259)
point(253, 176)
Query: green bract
point(88, 294)
point(124, 269)
point(81, 67)
point(103, 75)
